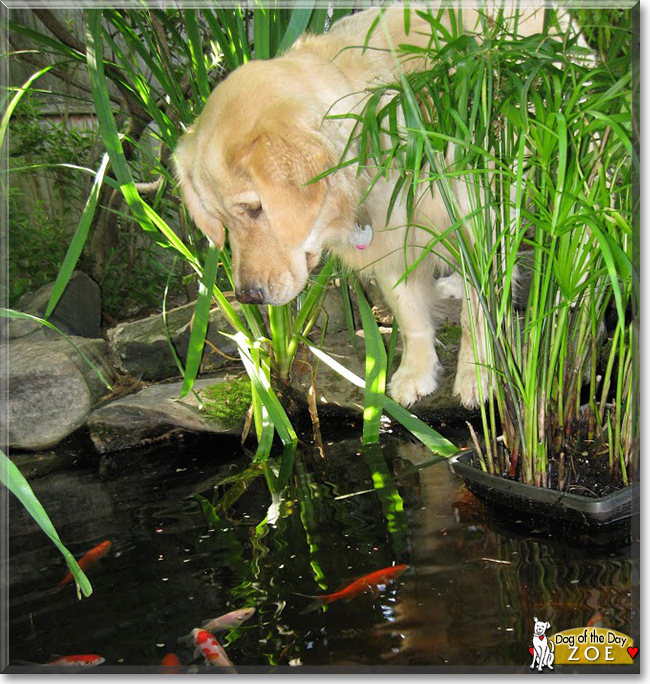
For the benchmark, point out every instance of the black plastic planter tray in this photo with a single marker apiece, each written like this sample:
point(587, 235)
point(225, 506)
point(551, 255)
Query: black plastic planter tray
point(545, 503)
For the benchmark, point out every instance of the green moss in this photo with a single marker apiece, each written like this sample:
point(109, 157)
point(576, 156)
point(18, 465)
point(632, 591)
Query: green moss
point(227, 402)
point(448, 343)
point(449, 333)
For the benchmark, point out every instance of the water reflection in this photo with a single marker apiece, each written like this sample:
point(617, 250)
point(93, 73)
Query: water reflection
point(194, 539)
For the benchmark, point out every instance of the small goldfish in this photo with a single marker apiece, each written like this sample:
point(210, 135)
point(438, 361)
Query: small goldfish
point(597, 620)
point(229, 621)
point(87, 660)
point(86, 561)
point(171, 663)
point(361, 585)
point(207, 646)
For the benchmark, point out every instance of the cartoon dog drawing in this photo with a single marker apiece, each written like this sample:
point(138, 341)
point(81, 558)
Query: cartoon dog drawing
point(543, 649)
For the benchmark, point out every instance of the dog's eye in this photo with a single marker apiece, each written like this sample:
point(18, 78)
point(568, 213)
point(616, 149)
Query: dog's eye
point(253, 212)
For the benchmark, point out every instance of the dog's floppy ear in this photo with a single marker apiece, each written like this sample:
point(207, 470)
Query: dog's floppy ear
point(281, 159)
point(209, 224)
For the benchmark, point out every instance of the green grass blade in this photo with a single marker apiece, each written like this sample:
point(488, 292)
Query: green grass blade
point(261, 385)
point(262, 23)
point(39, 38)
point(144, 214)
point(163, 313)
point(78, 241)
point(348, 313)
point(297, 24)
point(425, 433)
point(196, 50)
point(16, 483)
point(306, 316)
point(375, 385)
point(201, 319)
point(16, 99)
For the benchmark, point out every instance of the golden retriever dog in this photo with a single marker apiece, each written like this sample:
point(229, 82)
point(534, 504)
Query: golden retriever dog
point(266, 131)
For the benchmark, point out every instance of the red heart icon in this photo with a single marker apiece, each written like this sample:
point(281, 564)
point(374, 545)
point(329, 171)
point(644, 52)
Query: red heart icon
point(532, 650)
point(541, 637)
point(632, 651)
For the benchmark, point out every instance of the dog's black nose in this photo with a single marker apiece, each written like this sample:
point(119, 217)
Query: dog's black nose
point(251, 295)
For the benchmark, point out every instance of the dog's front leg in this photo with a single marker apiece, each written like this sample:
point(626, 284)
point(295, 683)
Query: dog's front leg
point(410, 303)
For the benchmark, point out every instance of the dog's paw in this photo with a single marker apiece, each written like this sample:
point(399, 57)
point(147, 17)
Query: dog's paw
point(467, 387)
point(408, 386)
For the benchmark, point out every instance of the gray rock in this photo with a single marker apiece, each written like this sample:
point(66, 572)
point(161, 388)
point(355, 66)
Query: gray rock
point(34, 465)
point(153, 414)
point(141, 348)
point(51, 389)
point(78, 312)
point(96, 351)
point(48, 396)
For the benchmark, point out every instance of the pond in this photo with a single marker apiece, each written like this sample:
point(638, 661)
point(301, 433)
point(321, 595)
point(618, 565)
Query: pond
point(197, 531)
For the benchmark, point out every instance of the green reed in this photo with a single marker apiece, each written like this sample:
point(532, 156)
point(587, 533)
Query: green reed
point(540, 134)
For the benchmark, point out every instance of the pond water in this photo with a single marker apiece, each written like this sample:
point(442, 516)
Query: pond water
point(197, 531)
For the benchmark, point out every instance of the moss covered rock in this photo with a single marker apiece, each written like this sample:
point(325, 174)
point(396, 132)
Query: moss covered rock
point(227, 402)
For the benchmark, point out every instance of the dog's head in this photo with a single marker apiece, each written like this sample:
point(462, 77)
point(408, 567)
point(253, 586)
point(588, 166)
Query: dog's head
point(246, 165)
point(540, 627)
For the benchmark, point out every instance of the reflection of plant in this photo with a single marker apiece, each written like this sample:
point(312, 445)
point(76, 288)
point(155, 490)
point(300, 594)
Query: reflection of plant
point(317, 532)
point(541, 140)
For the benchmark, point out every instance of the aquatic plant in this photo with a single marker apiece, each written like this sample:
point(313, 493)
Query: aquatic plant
point(541, 132)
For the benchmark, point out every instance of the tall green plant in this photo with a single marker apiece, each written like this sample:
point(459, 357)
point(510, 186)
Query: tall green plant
point(538, 132)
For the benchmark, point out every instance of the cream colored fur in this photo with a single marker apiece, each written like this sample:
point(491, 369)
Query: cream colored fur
point(263, 135)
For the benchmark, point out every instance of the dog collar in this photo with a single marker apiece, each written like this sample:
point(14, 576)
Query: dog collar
point(361, 237)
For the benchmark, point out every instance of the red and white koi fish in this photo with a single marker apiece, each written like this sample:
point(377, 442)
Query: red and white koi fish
point(87, 660)
point(207, 646)
point(86, 561)
point(368, 582)
point(228, 621)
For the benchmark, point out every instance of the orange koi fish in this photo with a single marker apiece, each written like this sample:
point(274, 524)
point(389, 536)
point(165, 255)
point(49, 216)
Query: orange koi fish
point(170, 660)
point(87, 660)
point(86, 561)
point(171, 664)
point(207, 645)
point(366, 583)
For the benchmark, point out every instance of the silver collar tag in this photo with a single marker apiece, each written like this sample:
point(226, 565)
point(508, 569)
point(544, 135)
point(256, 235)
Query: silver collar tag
point(361, 237)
